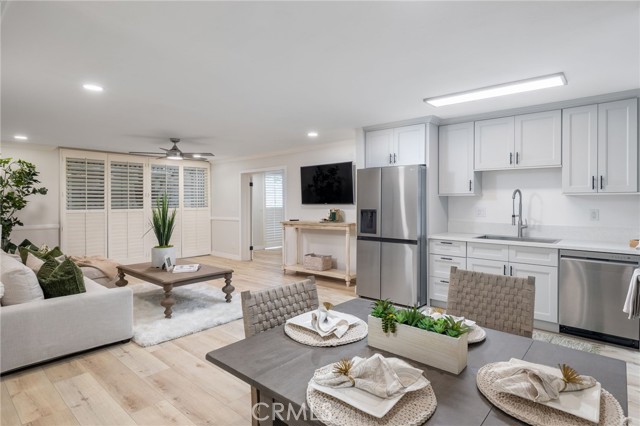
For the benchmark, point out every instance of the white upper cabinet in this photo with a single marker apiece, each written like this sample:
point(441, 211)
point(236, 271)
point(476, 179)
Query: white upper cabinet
point(455, 160)
point(600, 148)
point(529, 140)
point(618, 146)
point(494, 144)
point(395, 147)
point(538, 139)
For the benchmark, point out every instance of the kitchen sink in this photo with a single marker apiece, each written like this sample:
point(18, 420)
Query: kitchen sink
point(522, 239)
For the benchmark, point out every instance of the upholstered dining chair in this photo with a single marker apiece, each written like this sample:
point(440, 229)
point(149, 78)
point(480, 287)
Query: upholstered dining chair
point(265, 309)
point(494, 301)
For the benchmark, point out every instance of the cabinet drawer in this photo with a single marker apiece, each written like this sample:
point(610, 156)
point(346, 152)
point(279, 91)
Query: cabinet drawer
point(496, 267)
point(488, 251)
point(440, 265)
point(533, 255)
point(438, 288)
point(451, 248)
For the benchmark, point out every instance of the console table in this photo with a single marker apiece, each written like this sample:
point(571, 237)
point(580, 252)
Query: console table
point(345, 227)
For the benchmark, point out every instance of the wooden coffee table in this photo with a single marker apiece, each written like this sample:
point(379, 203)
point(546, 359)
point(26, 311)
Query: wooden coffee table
point(168, 280)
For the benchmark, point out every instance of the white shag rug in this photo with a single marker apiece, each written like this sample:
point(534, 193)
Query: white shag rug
point(198, 307)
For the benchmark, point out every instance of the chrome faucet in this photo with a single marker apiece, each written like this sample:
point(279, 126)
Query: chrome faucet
point(513, 212)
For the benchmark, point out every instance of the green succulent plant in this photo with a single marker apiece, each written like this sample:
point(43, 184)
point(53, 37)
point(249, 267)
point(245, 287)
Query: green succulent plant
point(385, 310)
point(410, 316)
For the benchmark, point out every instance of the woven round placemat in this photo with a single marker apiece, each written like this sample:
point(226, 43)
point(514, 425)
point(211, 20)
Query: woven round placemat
point(477, 334)
point(357, 331)
point(413, 409)
point(532, 413)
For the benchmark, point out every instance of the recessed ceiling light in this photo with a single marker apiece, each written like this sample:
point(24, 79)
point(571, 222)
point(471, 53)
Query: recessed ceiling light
point(520, 86)
point(20, 138)
point(196, 155)
point(93, 87)
point(312, 134)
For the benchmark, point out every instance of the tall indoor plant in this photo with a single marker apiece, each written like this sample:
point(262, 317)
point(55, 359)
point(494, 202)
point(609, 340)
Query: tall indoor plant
point(163, 223)
point(18, 180)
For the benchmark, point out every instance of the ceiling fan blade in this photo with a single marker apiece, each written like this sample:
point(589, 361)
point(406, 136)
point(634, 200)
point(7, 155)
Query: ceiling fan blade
point(145, 153)
point(164, 149)
point(201, 154)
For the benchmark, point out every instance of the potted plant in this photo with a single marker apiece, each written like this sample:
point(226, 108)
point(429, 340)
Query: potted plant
point(163, 223)
point(18, 179)
point(441, 343)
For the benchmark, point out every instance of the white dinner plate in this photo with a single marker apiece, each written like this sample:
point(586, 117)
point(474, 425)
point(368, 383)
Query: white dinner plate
point(584, 403)
point(304, 320)
point(368, 402)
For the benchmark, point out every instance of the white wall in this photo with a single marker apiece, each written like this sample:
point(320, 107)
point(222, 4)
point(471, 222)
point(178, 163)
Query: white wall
point(41, 216)
point(549, 212)
point(226, 199)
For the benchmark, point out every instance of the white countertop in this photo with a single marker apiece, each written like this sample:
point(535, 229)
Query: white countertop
point(600, 246)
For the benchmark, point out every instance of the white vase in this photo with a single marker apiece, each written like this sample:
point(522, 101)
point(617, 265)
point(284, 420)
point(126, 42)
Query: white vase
point(158, 254)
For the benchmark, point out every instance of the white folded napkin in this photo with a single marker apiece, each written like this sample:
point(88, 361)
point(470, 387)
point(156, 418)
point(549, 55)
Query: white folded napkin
point(327, 322)
point(534, 384)
point(632, 303)
point(376, 375)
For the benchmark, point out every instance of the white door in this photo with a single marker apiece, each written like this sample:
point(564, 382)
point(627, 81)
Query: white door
point(377, 149)
point(83, 209)
point(546, 305)
point(455, 160)
point(580, 149)
point(127, 218)
point(618, 146)
point(495, 267)
point(494, 144)
point(538, 139)
point(409, 145)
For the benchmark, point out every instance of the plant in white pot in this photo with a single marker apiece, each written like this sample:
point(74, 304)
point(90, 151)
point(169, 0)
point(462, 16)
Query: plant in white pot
point(162, 222)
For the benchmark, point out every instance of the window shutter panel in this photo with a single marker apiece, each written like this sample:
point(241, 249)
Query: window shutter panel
point(165, 179)
point(274, 208)
point(85, 181)
point(195, 187)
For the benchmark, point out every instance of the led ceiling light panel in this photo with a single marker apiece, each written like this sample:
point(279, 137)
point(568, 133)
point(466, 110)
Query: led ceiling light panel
point(527, 85)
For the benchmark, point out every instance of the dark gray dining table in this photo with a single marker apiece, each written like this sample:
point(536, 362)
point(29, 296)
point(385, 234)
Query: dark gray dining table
point(280, 367)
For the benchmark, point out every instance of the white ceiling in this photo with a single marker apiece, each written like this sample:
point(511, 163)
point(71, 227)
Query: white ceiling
point(243, 78)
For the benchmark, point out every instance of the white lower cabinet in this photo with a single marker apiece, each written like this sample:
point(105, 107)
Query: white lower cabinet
point(487, 266)
point(440, 263)
point(546, 307)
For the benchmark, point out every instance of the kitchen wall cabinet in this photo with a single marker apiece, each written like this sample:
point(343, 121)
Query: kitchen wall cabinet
point(600, 148)
point(528, 140)
point(400, 146)
point(455, 159)
point(522, 261)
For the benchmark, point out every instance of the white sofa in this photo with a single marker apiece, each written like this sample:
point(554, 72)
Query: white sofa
point(42, 330)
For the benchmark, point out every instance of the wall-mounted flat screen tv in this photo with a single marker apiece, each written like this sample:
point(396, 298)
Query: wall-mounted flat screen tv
point(327, 183)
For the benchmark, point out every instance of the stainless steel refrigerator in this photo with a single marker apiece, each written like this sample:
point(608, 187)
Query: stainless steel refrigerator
point(391, 246)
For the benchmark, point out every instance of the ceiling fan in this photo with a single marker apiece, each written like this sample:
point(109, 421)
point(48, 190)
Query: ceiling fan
point(176, 154)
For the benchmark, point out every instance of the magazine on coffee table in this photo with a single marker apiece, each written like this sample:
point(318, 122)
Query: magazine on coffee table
point(186, 268)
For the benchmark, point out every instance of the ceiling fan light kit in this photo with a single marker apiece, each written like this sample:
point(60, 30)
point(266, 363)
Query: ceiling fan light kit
point(175, 153)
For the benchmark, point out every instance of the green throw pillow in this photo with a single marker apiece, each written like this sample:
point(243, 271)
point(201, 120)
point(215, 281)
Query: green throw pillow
point(47, 269)
point(66, 279)
point(24, 252)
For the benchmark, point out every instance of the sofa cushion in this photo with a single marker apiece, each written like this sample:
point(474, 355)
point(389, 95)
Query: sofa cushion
point(24, 252)
point(64, 280)
point(20, 282)
point(33, 262)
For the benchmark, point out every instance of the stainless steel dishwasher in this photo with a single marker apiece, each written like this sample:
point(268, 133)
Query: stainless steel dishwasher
point(592, 290)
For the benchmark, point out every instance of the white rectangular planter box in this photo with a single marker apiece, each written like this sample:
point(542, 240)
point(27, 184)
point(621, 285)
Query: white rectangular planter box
point(437, 350)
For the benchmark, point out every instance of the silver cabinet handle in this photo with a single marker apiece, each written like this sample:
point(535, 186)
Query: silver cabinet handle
point(394, 158)
point(444, 282)
point(593, 183)
point(517, 157)
point(446, 242)
point(446, 258)
point(469, 185)
point(601, 182)
point(511, 270)
point(504, 269)
point(390, 159)
point(511, 158)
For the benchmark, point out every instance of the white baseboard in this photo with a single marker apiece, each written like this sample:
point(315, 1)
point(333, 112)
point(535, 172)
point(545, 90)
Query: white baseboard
point(225, 255)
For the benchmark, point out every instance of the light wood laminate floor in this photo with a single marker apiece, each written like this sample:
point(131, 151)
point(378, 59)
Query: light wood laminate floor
point(171, 383)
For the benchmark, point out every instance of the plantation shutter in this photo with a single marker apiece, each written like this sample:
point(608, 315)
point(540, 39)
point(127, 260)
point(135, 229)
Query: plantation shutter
point(165, 179)
point(274, 208)
point(85, 216)
point(195, 187)
point(196, 222)
point(127, 219)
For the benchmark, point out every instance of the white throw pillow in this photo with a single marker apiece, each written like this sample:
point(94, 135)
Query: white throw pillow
point(34, 263)
point(20, 282)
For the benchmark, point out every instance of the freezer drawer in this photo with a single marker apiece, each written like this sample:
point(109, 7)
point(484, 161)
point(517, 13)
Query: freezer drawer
point(368, 269)
point(399, 273)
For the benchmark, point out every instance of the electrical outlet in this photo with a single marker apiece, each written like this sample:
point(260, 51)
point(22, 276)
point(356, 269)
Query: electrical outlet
point(594, 214)
point(481, 212)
